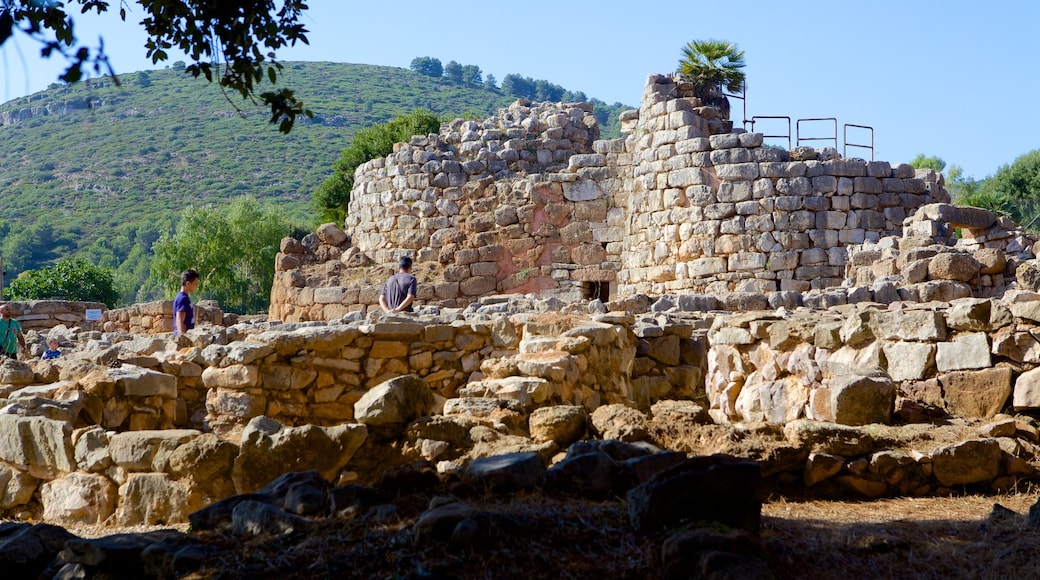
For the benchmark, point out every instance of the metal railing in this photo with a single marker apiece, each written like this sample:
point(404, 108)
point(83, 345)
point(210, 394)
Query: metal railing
point(834, 135)
point(757, 118)
point(845, 138)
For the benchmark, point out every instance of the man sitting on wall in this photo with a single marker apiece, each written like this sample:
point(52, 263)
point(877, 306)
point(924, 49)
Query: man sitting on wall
point(399, 291)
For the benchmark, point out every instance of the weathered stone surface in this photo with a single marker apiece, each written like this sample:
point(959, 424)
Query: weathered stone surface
point(909, 360)
point(1027, 391)
point(918, 325)
point(953, 266)
point(92, 449)
point(967, 462)
point(981, 393)
point(330, 234)
point(137, 450)
point(619, 422)
point(978, 314)
point(395, 402)
point(134, 381)
point(821, 466)
point(41, 446)
point(562, 424)
point(78, 498)
point(857, 400)
point(16, 486)
point(150, 499)
point(269, 449)
point(235, 376)
point(967, 351)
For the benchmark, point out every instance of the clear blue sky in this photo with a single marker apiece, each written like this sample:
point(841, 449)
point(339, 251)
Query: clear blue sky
point(955, 78)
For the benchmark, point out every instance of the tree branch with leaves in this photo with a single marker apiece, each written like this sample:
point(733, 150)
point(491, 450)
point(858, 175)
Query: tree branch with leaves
point(233, 41)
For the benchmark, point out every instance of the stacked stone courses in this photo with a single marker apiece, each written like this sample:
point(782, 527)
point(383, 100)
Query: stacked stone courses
point(531, 201)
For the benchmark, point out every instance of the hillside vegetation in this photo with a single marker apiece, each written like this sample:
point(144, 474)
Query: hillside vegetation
point(100, 171)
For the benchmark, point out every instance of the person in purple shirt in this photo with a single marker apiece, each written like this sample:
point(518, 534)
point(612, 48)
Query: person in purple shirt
point(399, 291)
point(183, 311)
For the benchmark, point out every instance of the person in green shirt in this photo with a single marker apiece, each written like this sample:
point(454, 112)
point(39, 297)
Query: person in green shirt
point(12, 332)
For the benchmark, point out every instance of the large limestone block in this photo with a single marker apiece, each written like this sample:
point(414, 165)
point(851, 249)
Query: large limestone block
point(967, 351)
point(78, 498)
point(1026, 394)
point(562, 424)
point(16, 486)
point(231, 377)
point(14, 372)
point(39, 445)
point(134, 381)
point(136, 450)
point(953, 266)
point(978, 314)
point(981, 393)
point(395, 402)
point(92, 449)
point(150, 499)
point(269, 450)
point(967, 462)
point(919, 325)
point(909, 361)
point(857, 400)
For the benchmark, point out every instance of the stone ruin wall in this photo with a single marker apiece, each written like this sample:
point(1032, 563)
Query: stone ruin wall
point(129, 439)
point(46, 314)
point(157, 317)
point(530, 201)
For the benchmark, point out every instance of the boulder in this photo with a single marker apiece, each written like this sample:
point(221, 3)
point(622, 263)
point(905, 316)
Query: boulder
point(150, 499)
point(78, 498)
point(269, 450)
point(395, 402)
point(506, 473)
point(967, 351)
point(562, 424)
point(592, 475)
point(39, 445)
point(956, 266)
point(27, 549)
point(619, 422)
point(134, 381)
point(138, 450)
point(974, 461)
point(92, 449)
point(717, 488)
point(16, 486)
point(859, 400)
point(976, 394)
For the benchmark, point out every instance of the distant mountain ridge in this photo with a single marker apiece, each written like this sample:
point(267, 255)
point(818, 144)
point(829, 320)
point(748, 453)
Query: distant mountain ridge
point(94, 169)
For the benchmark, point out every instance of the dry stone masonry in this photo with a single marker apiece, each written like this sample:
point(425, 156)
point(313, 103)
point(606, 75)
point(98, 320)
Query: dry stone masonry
point(529, 201)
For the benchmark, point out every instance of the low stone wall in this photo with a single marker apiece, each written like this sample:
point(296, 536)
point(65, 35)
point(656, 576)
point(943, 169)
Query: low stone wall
point(118, 431)
point(46, 314)
point(157, 317)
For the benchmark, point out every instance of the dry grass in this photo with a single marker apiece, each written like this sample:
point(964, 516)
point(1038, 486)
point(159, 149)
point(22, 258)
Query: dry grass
point(536, 537)
point(920, 538)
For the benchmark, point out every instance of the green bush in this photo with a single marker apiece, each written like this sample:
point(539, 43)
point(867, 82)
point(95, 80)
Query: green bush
point(332, 196)
point(69, 279)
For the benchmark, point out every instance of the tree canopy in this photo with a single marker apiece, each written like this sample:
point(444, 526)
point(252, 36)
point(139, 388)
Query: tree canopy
point(232, 247)
point(332, 196)
point(234, 39)
point(69, 279)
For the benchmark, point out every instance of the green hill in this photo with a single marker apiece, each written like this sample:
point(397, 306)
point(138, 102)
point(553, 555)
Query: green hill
point(99, 171)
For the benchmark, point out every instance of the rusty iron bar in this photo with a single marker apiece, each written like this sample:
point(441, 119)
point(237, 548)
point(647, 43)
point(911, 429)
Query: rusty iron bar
point(845, 137)
point(798, 129)
point(756, 118)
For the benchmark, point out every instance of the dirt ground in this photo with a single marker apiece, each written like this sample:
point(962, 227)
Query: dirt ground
point(536, 537)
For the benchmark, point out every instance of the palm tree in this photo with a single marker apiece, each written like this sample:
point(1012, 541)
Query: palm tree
point(714, 66)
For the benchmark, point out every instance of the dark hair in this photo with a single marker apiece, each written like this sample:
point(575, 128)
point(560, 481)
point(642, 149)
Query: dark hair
point(405, 263)
point(189, 276)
